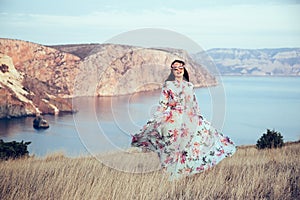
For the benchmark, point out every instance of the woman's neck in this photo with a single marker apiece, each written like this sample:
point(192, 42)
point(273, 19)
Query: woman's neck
point(179, 79)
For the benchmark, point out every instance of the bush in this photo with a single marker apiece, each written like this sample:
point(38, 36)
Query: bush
point(13, 149)
point(271, 139)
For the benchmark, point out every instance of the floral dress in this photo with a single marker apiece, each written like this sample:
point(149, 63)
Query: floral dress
point(185, 142)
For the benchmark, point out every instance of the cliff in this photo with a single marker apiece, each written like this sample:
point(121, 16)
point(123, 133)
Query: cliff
point(49, 68)
point(121, 70)
point(49, 75)
point(17, 100)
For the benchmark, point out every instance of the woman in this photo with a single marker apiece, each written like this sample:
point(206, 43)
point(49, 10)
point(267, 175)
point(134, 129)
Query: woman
point(185, 142)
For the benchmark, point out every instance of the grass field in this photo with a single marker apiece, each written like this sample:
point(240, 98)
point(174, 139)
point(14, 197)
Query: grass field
point(249, 174)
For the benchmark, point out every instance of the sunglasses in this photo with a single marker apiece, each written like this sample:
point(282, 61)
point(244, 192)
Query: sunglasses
point(177, 68)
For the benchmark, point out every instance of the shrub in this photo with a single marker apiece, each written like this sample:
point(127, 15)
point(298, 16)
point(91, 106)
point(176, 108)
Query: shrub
point(13, 149)
point(271, 139)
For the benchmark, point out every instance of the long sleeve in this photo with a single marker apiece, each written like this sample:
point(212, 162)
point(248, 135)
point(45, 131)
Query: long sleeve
point(196, 107)
point(163, 101)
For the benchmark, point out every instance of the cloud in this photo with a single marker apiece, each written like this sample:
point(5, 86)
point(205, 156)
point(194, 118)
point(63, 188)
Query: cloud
point(237, 23)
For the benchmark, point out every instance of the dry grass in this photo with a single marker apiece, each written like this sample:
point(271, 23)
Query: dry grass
point(249, 174)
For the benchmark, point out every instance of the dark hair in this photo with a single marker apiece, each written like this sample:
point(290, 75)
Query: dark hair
point(171, 76)
point(178, 61)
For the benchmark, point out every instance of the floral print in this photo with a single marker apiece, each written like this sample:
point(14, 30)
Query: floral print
point(185, 142)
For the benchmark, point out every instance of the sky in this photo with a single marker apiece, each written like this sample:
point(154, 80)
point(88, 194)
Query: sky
point(211, 24)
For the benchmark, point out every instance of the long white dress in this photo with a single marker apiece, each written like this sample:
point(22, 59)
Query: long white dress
point(185, 142)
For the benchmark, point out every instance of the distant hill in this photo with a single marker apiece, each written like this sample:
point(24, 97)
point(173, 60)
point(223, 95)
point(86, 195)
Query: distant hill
point(256, 62)
point(80, 50)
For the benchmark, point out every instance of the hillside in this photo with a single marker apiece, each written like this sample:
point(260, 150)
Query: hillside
point(80, 50)
point(255, 62)
point(249, 174)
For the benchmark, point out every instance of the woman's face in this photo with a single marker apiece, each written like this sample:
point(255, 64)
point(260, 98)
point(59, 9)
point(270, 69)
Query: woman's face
point(178, 70)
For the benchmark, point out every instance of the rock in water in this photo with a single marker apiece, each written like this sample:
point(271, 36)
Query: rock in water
point(40, 123)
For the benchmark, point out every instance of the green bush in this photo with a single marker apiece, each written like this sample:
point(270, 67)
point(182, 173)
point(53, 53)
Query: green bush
point(13, 149)
point(271, 139)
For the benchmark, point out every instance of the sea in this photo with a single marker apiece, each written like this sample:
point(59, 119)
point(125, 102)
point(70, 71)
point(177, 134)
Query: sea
point(242, 108)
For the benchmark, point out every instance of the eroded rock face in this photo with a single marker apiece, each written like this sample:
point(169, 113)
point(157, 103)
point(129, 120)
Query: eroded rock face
point(54, 68)
point(13, 100)
point(16, 100)
point(11, 106)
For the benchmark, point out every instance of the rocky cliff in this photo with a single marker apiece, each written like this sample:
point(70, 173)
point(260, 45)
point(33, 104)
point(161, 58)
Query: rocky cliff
point(110, 69)
point(13, 100)
point(17, 100)
point(262, 62)
point(53, 69)
point(45, 76)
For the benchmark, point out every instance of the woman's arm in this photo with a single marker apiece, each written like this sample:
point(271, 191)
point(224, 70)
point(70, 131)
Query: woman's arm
point(196, 107)
point(164, 99)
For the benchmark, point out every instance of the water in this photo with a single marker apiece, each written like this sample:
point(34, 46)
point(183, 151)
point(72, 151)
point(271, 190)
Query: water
point(242, 108)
